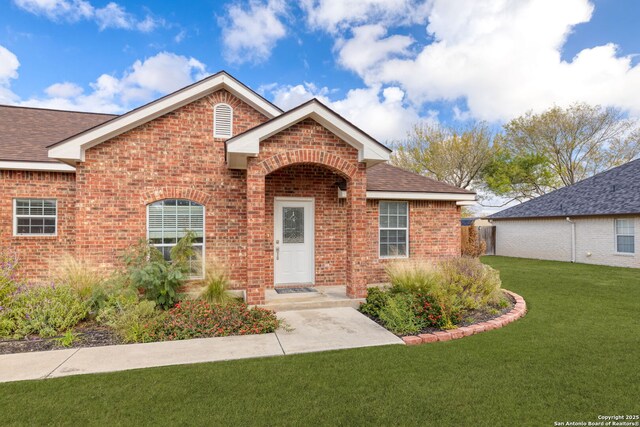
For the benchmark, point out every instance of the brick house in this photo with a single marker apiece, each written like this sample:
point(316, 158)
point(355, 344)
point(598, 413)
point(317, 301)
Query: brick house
point(279, 198)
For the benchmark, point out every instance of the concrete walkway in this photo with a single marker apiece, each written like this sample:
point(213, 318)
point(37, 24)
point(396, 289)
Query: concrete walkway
point(306, 331)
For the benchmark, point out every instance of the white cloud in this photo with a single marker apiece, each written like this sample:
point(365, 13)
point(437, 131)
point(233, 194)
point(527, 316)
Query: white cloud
point(368, 47)
point(502, 57)
point(143, 82)
point(111, 16)
point(335, 15)
point(378, 111)
point(9, 65)
point(250, 31)
point(64, 90)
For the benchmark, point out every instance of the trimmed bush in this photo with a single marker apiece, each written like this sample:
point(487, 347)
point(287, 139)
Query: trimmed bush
point(376, 299)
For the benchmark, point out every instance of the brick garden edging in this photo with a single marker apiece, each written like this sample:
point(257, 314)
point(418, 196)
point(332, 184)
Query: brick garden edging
point(517, 312)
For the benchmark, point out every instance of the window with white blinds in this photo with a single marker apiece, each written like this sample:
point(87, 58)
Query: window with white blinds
point(35, 217)
point(222, 121)
point(169, 220)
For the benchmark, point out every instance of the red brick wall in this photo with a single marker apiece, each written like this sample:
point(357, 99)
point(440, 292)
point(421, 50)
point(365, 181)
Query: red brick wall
point(173, 154)
point(434, 233)
point(306, 180)
point(38, 253)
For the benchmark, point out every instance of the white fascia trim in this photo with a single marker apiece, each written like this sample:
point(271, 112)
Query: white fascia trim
point(36, 166)
point(248, 144)
point(400, 195)
point(74, 148)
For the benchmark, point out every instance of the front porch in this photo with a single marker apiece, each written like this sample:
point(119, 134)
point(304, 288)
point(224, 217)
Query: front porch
point(319, 297)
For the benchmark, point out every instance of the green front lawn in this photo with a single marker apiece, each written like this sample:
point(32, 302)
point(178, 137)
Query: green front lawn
point(576, 355)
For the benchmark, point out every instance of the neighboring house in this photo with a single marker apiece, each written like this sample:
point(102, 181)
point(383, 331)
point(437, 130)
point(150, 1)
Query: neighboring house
point(595, 221)
point(475, 221)
point(279, 198)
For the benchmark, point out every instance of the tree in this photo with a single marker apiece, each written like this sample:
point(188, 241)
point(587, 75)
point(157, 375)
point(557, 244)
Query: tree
point(455, 155)
point(538, 153)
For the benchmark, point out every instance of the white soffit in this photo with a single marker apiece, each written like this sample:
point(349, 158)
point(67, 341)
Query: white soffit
point(247, 144)
point(462, 199)
point(72, 149)
point(35, 166)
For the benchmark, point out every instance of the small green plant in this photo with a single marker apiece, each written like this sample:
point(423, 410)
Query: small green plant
point(42, 310)
point(158, 278)
point(8, 280)
point(216, 285)
point(398, 315)
point(126, 314)
point(67, 340)
point(376, 300)
point(427, 308)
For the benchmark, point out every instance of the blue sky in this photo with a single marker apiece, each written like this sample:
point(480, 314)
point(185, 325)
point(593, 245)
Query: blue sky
point(383, 64)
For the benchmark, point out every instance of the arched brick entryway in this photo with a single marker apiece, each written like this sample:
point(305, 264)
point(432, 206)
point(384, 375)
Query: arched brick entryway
point(258, 269)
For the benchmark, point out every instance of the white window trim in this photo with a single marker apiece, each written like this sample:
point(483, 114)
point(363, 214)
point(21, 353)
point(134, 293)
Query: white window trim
point(615, 237)
point(215, 112)
point(204, 236)
point(395, 228)
point(15, 218)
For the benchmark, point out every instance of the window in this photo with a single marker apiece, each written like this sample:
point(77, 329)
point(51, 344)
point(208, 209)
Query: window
point(394, 229)
point(222, 121)
point(169, 220)
point(625, 236)
point(35, 217)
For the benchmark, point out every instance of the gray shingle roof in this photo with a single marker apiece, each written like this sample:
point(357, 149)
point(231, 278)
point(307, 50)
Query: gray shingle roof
point(614, 192)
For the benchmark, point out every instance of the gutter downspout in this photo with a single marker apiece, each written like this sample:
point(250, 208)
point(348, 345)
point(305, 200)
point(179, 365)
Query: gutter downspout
point(573, 239)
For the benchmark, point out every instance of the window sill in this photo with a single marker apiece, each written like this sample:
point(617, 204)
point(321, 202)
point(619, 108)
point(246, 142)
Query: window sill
point(394, 257)
point(36, 236)
point(625, 254)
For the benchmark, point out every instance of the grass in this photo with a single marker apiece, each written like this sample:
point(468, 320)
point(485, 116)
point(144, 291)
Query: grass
point(573, 357)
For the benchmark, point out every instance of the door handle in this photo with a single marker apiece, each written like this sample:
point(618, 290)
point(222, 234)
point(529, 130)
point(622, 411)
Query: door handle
point(277, 253)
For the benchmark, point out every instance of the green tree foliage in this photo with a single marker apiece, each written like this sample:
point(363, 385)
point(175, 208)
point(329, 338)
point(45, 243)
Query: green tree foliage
point(538, 153)
point(455, 155)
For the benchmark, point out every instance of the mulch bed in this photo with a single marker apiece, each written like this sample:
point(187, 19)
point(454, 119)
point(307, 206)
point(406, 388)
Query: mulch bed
point(470, 318)
point(89, 334)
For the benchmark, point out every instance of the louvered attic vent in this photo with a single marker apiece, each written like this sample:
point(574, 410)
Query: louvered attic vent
point(222, 121)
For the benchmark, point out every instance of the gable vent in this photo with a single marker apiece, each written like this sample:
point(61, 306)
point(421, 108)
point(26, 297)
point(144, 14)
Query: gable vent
point(222, 121)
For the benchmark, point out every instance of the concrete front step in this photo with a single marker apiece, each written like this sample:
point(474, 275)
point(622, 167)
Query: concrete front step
point(309, 304)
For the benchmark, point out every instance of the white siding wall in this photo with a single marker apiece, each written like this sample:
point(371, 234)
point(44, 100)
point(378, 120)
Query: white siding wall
point(551, 239)
point(536, 238)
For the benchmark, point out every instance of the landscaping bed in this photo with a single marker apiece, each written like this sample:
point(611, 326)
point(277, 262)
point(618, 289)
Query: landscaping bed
point(84, 307)
point(426, 298)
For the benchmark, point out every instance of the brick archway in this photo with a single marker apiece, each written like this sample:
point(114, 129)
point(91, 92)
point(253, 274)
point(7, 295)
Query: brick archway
point(176, 193)
point(288, 158)
point(257, 244)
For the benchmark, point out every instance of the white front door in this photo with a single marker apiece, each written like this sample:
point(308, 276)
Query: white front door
point(293, 241)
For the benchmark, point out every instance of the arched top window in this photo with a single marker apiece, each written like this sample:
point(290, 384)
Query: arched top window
point(222, 121)
point(169, 220)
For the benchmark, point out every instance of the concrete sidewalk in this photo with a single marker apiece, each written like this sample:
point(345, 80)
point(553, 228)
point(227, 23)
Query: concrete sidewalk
point(306, 331)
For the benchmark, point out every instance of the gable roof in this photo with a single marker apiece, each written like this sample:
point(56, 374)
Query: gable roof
point(72, 149)
point(247, 144)
point(613, 192)
point(26, 132)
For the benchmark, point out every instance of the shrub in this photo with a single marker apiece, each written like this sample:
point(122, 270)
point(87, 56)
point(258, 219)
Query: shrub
point(44, 311)
point(376, 300)
point(199, 319)
point(412, 276)
point(472, 245)
point(158, 278)
point(470, 283)
point(398, 315)
point(216, 285)
point(77, 274)
point(123, 311)
point(428, 309)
